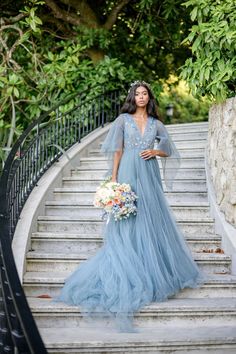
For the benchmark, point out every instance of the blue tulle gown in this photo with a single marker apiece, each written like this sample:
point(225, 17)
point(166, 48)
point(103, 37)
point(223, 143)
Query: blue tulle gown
point(144, 258)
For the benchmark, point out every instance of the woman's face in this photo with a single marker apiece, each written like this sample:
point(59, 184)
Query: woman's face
point(141, 96)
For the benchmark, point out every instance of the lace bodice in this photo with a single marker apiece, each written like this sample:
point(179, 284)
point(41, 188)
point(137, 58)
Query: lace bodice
point(132, 134)
point(125, 134)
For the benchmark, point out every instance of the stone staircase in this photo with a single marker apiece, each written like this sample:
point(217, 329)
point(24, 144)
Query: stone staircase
point(194, 321)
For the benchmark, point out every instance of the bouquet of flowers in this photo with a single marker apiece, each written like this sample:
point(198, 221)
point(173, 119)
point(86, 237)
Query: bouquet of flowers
point(116, 199)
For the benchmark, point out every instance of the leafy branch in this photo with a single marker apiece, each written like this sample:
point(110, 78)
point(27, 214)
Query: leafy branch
point(211, 70)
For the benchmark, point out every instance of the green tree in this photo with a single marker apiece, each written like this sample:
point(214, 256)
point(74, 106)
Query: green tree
point(211, 70)
point(50, 49)
point(146, 33)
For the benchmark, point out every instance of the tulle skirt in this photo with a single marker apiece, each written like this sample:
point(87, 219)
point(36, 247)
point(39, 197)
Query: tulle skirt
point(144, 258)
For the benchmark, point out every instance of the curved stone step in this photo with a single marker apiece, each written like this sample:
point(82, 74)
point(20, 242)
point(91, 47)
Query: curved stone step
point(100, 159)
point(79, 243)
point(185, 144)
point(166, 314)
point(72, 194)
point(184, 153)
point(88, 164)
point(188, 135)
point(189, 125)
point(76, 210)
point(191, 204)
point(91, 184)
point(183, 173)
point(71, 225)
point(102, 164)
point(49, 262)
point(43, 283)
point(103, 158)
point(182, 340)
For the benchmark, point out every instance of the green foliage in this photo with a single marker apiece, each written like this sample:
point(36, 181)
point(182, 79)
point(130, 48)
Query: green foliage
point(41, 63)
point(32, 20)
point(41, 73)
point(186, 108)
point(94, 37)
point(149, 35)
point(211, 70)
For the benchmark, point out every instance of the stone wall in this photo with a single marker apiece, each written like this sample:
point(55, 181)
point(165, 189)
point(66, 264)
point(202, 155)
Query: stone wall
point(221, 152)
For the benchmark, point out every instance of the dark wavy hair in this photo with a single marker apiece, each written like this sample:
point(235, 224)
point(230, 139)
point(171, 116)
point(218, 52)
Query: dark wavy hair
point(130, 106)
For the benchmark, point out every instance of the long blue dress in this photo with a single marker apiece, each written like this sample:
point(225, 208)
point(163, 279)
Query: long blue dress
point(144, 258)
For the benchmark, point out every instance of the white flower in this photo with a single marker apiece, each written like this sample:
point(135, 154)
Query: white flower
point(108, 192)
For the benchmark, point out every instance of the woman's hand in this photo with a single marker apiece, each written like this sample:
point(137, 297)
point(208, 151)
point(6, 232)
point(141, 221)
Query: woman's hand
point(148, 154)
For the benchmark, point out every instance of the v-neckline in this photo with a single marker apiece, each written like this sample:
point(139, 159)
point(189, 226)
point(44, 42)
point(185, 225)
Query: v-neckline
point(136, 125)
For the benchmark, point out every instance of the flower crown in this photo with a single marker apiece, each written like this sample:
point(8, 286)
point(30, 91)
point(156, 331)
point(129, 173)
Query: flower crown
point(138, 82)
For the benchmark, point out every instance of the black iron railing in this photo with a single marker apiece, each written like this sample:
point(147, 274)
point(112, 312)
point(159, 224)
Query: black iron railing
point(33, 153)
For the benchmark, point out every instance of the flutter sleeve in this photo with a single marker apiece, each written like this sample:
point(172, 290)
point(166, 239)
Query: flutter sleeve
point(171, 163)
point(113, 142)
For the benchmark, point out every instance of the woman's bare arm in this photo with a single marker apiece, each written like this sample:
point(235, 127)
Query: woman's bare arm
point(161, 153)
point(148, 154)
point(117, 157)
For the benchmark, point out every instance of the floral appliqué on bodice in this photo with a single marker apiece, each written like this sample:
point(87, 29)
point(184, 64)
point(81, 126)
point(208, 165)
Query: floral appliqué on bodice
point(132, 134)
point(124, 134)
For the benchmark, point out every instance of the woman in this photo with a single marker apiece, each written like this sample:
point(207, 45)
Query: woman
point(145, 257)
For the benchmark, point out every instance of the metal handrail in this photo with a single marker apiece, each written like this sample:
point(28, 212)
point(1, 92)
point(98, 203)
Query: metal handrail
point(32, 154)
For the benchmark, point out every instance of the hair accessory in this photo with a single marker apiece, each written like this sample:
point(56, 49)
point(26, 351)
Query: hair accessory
point(138, 82)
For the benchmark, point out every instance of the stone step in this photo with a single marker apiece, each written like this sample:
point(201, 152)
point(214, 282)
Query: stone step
point(191, 125)
point(178, 181)
point(183, 173)
point(173, 204)
point(62, 262)
point(86, 165)
point(103, 164)
point(184, 144)
point(77, 243)
point(104, 158)
point(187, 131)
point(181, 340)
point(184, 153)
point(192, 130)
point(166, 314)
point(85, 197)
point(74, 209)
point(91, 185)
point(184, 130)
point(72, 225)
point(188, 127)
point(188, 135)
point(43, 283)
